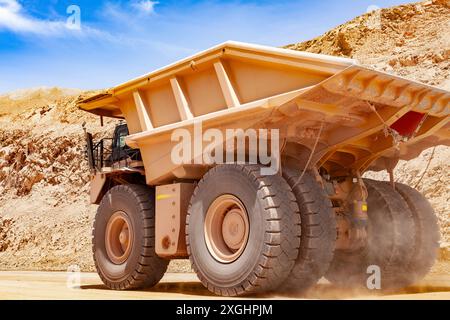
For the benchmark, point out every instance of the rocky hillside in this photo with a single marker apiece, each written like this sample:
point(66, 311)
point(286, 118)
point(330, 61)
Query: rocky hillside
point(410, 40)
point(45, 217)
point(44, 214)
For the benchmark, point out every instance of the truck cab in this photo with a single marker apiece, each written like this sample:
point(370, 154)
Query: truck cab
point(112, 152)
point(112, 162)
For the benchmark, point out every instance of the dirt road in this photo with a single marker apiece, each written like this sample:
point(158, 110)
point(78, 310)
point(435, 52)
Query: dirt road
point(54, 285)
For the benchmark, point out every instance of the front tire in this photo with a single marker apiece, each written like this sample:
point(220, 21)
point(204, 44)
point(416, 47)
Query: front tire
point(124, 239)
point(232, 263)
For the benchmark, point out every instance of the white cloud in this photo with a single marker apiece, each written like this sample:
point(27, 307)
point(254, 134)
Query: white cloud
point(146, 6)
point(11, 5)
point(14, 18)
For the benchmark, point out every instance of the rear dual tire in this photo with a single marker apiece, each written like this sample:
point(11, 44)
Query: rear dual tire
point(426, 231)
point(318, 231)
point(402, 240)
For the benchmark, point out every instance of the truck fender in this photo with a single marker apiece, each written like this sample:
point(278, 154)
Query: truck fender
point(97, 185)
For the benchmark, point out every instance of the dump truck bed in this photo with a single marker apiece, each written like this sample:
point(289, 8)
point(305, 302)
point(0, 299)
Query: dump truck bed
point(357, 118)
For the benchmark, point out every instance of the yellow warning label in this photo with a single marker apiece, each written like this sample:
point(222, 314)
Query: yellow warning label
point(163, 196)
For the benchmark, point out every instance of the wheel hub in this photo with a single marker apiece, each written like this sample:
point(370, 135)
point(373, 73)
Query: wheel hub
point(118, 237)
point(226, 228)
point(124, 236)
point(233, 229)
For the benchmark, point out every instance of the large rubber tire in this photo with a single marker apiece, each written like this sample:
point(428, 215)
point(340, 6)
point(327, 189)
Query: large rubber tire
point(143, 268)
point(318, 231)
point(274, 236)
point(426, 244)
point(389, 246)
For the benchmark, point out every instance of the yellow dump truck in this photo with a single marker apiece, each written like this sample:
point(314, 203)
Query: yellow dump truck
point(248, 160)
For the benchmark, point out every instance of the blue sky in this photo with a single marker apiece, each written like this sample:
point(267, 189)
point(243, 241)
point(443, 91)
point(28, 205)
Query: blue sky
point(119, 40)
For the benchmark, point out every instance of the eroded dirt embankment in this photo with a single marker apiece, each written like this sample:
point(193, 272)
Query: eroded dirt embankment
point(45, 215)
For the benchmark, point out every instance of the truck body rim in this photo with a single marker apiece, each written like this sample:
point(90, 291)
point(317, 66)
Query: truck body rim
point(119, 237)
point(226, 228)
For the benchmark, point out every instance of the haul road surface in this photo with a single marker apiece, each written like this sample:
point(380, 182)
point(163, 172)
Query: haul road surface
point(174, 286)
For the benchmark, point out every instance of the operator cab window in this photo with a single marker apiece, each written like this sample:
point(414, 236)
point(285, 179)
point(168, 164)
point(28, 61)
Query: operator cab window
point(122, 139)
point(122, 133)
